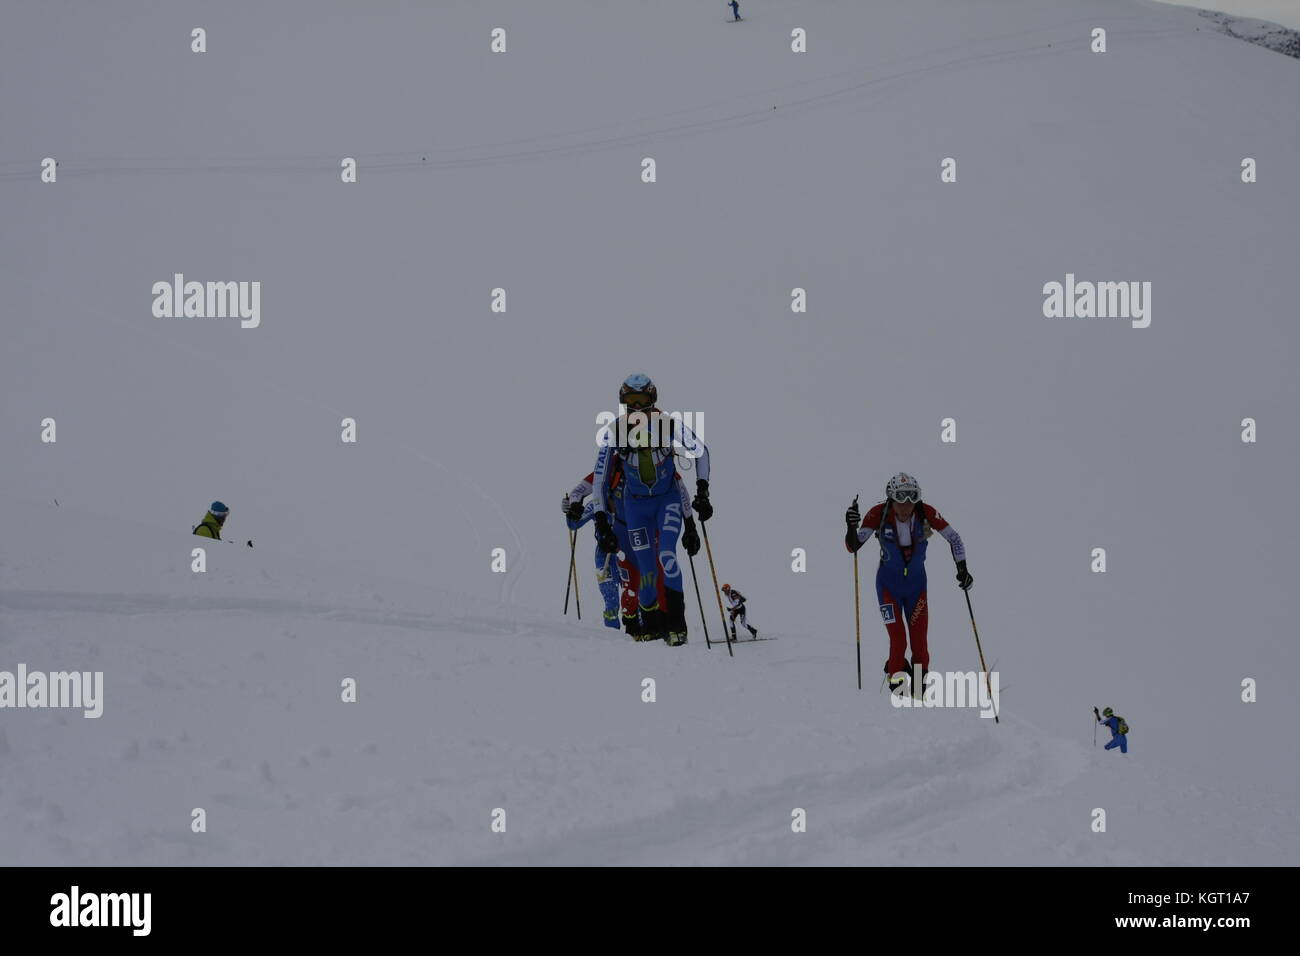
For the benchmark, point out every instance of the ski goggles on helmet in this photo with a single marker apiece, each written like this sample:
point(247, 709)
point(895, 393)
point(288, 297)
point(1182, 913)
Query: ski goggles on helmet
point(638, 401)
point(902, 495)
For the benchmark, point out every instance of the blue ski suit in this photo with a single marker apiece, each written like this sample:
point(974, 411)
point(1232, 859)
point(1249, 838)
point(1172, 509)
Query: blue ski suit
point(655, 510)
point(1116, 738)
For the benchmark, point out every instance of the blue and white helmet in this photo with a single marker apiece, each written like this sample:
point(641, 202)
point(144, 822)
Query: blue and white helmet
point(638, 391)
point(902, 488)
point(219, 510)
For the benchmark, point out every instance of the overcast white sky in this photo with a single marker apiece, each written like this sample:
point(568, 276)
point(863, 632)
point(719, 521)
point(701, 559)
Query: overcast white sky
point(1285, 12)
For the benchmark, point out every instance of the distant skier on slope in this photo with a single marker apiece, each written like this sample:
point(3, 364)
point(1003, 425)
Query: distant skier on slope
point(213, 521)
point(1118, 729)
point(736, 609)
point(902, 524)
point(735, 9)
point(642, 446)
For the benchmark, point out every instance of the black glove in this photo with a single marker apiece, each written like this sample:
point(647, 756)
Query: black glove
point(1096, 714)
point(574, 510)
point(701, 502)
point(964, 580)
point(691, 538)
point(606, 540)
point(853, 520)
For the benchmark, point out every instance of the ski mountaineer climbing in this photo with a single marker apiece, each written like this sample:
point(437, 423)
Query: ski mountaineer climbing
point(735, 8)
point(642, 446)
point(614, 574)
point(902, 524)
point(1118, 729)
point(213, 521)
point(610, 569)
point(736, 600)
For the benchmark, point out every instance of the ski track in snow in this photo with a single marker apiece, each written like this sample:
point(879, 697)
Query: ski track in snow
point(887, 797)
point(868, 815)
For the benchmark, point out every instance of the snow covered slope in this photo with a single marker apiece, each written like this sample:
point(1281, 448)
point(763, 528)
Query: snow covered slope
point(223, 692)
point(522, 170)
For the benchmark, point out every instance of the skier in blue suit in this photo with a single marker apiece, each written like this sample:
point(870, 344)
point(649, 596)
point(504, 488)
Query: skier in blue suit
point(1118, 729)
point(643, 445)
point(735, 9)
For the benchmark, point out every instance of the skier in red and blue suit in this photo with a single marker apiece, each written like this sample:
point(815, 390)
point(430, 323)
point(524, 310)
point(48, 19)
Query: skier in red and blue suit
point(902, 523)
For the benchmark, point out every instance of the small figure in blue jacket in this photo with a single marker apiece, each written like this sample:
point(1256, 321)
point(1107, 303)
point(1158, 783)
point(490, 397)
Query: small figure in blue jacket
point(735, 9)
point(1118, 729)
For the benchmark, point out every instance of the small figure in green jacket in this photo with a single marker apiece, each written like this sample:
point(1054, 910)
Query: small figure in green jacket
point(210, 526)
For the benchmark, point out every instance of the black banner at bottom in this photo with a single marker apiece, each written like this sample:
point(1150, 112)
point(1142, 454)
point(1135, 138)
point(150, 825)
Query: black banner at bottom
point(976, 906)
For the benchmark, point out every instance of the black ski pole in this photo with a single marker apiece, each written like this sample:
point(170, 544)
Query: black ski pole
point(577, 594)
point(857, 612)
point(979, 648)
point(700, 601)
point(573, 571)
point(716, 593)
point(249, 542)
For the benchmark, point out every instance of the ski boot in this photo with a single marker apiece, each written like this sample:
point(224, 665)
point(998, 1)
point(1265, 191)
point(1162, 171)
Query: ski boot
point(918, 685)
point(753, 633)
point(896, 680)
point(654, 625)
point(675, 618)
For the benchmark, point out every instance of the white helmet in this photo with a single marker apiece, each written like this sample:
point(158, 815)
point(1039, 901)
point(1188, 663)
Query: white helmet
point(903, 487)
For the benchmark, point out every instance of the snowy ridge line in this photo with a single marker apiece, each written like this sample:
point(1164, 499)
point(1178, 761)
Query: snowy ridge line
point(99, 603)
point(313, 161)
point(416, 159)
point(1265, 33)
